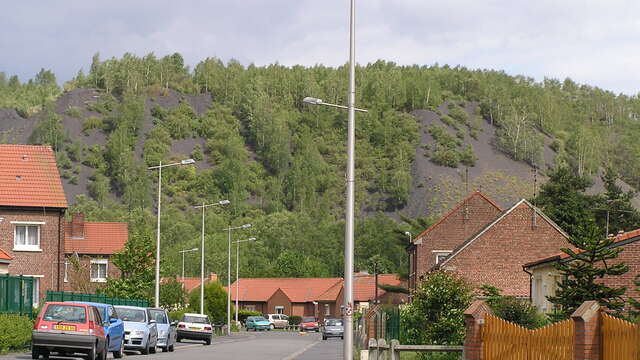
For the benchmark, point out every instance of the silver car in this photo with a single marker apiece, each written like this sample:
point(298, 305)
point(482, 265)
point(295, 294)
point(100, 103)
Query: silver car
point(332, 328)
point(140, 330)
point(166, 329)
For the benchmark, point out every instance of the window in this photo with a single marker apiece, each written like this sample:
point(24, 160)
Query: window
point(26, 237)
point(99, 270)
point(279, 309)
point(441, 255)
point(327, 310)
point(250, 307)
point(66, 271)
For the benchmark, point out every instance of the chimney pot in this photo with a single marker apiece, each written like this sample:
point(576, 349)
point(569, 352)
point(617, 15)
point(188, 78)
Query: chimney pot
point(77, 226)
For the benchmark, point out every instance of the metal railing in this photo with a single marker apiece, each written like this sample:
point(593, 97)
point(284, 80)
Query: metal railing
point(381, 350)
point(70, 296)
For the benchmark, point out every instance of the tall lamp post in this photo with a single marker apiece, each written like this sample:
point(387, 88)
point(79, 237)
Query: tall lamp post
point(238, 271)
point(159, 167)
point(184, 252)
point(204, 206)
point(245, 226)
point(349, 216)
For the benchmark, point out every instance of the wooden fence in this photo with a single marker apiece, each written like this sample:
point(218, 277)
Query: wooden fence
point(620, 339)
point(507, 341)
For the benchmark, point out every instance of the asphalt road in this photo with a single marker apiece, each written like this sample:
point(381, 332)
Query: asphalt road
point(268, 345)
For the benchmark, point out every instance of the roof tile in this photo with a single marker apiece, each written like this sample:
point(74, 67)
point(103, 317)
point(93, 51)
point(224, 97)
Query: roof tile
point(102, 238)
point(297, 289)
point(5, 255)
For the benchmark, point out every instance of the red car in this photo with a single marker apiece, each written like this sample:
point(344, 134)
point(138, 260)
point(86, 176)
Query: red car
point(68, 328)
point(309, 324)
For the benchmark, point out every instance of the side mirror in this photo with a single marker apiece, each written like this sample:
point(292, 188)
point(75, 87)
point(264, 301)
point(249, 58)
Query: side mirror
point(113, 320)
point(152, 321)
point(174, 323)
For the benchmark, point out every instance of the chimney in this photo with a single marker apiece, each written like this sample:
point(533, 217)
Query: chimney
point(213, 277)
point(77, 226)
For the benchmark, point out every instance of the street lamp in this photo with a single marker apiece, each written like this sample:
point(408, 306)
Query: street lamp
point(245, 226)
point(183, 252)
point(204, 206)
point(316, 101)
point(349, 216)
point(238, 271)
point(159, 167)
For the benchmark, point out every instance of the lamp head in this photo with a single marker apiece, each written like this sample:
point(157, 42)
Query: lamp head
point(407, 233)
point(187, 162)
point(224, 202)
point(195, 249)
point(245, 226)
point(312, 100)
point(251, 239)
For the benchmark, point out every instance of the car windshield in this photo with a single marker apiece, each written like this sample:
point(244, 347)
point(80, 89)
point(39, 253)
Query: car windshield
point(334, 322)
point(159, 316)
point(259, 318)
point(66, 313)
point(308, 319)
point(195, 319)
point(133, 315)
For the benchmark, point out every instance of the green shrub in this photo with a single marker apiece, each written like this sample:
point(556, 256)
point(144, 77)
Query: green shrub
point(104, 106)
point(196, 154)
point(295, 320)
point(63, 160)
point(468, 157)
point(459, 115)
point(460, 134)
point(244, 314)
point(473, 133)
point(92, 122)
point(73, 112)
point(445, 157)
point(448, 120)
point(15, 332)
point(176, 315)
point(73, 180)
point(512, 309)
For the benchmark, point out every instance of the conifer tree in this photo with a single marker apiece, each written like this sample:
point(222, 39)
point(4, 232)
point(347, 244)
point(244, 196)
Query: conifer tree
point(590, 261)
point(635, 304)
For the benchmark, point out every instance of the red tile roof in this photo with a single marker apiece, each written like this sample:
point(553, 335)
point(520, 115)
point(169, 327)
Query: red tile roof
point(5, 255)
point(297, 289)
point(190, 283)
point(102, 238)
point(460, 204)
point(29, 177)
point(561, 256)
point(363, 287)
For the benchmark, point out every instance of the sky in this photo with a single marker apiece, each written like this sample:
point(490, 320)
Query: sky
point(592, 42)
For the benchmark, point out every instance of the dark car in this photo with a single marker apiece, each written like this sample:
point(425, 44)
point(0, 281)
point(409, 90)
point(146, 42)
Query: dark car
point(332, 328)
point(69, 328)
point(309, 324)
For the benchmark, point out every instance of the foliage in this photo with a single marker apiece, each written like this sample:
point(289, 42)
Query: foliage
point(215, 302)
point(295, 320)
point(172, 294)
point(73, 111)
point(623, 215)
point(512, 309)
point(176, 315)
point(435, 316)
point(589, 263)
point(393, 289)
point(244, 314)
point(635, 304)
point(15, 332)
point(92, 122)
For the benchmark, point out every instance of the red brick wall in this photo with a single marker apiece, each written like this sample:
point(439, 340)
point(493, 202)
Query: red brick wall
point(631, 257)
point(79, 281)
point(51, 242)
point(497, 256)
point(279, 299)
point(463, 223)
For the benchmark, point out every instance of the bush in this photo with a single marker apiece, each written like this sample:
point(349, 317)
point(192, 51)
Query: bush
point(445, 157)
point(73, 112)
point(91, 122)
point(459, 115)
point(244, 314)
point(295, 320)
point(215, 302)
point(512, 309)
point(15, 332)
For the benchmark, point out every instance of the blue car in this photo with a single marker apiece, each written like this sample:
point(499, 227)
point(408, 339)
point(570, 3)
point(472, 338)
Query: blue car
point(113, 327)
point(257, 323)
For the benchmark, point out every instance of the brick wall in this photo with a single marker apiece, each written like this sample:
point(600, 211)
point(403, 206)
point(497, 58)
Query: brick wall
point(458, 226)
point(79, 280)
point(631, 257)
point(497, 256)
point(279, 299)
point(44, 263)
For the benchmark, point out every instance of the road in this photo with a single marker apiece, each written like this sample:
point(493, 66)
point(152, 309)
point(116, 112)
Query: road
point(272, 345)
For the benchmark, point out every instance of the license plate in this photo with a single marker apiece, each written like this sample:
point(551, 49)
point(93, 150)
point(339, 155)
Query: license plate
point(64, 327)
point(195, 328)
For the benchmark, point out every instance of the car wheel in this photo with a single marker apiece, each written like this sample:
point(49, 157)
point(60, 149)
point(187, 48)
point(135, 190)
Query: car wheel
point(103, 354)
point(171, 348)
point(152, 349)
point(271, 327)
point(118, 354)
point(208, 341)
point(324, 338)
point(146, 349)
point(92, 353)
point(178, 339)
point(342, 337)
point(35, 352)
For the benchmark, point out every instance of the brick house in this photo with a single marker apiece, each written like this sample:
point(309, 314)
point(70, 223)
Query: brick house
point(5, 260)
point(32, 208)
point(544, 276)
point(190, 283)
point(436, 242)
point(88, 247)
point(492, 253)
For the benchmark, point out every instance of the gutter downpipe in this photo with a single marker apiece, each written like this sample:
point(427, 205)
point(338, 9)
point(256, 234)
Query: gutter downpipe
point(530, 283)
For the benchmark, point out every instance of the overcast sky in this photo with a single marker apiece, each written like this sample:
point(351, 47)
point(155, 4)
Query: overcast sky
point(593, 42)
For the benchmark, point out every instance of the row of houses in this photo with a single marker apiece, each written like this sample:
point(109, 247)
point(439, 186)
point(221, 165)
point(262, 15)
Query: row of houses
point(513, 249)
point(35, 239)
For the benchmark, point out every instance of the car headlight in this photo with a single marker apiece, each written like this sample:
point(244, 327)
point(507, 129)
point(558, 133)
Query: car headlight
point(137, 333)
point(162, 333)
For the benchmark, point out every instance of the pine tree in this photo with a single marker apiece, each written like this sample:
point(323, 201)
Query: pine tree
point(587, 265)
point(635, 304)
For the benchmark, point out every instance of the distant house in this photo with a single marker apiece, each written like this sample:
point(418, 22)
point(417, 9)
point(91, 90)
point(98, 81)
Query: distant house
point(88, 247)
point(5, 260)
point(545, 277)
point(32, 206)
point(494, 253)
point(190, 283)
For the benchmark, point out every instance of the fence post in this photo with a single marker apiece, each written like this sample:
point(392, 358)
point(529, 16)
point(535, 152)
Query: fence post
point(382, 349)
point(473, 320)
point(395, 353)
point(586, 322)
point(373, 349)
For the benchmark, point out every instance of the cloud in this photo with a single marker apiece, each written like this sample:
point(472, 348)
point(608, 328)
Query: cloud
point(591, 42)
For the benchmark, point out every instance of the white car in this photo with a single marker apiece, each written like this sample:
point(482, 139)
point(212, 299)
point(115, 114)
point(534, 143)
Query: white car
point(278, 321)
point(195, 327)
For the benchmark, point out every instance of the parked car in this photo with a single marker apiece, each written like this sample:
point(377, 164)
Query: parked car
point(68, 328)
point(166, 329)
point(195, 327)
point(113, 327)
point(309, 324)
point(332, 328)
point(278, 321)
point(140, 330)
point(256, 323)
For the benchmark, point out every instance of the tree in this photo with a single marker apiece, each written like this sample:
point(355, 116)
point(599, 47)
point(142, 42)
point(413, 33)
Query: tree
point(511, 308)
point(435, 316)
point(622, 215)
point(583, 272)
point(215, 302)
point(635, 304)
point(172, 294)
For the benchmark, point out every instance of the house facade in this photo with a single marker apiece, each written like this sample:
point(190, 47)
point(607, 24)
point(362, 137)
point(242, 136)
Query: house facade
point(32, 209)
point(544, 277)
point(88, 249)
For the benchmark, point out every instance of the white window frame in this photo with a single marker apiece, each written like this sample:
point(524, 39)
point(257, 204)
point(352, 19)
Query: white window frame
point(66, 270)
point(439, 253)
point(36, 289)
point(22, 247)
point(327, 310)
point(106, 269)
point(250, 307)
point(279, 309)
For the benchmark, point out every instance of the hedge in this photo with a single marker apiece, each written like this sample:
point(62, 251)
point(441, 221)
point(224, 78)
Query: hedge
point(15, 331)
